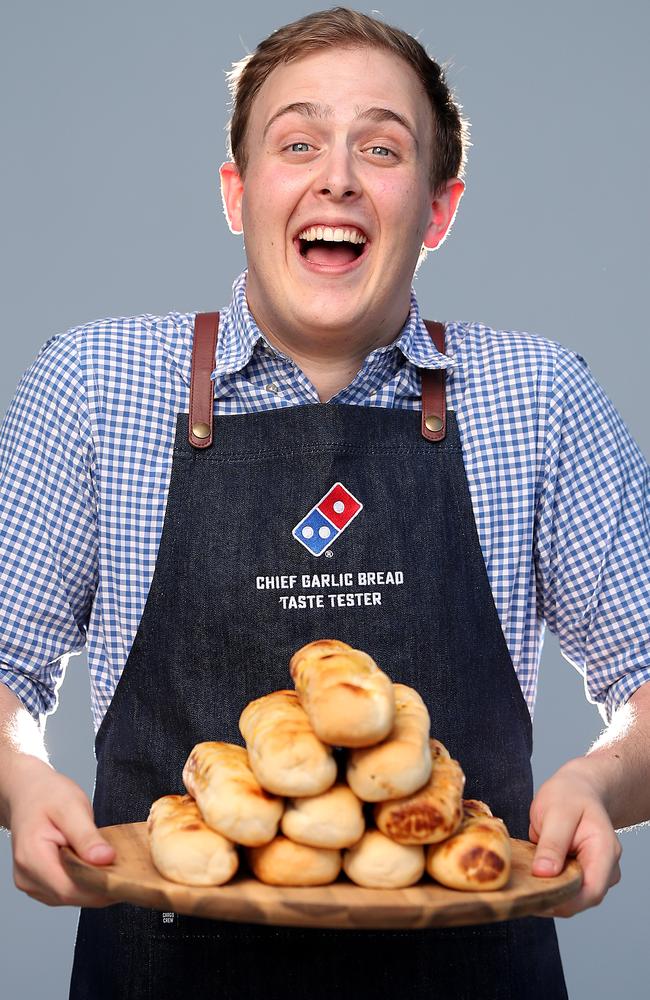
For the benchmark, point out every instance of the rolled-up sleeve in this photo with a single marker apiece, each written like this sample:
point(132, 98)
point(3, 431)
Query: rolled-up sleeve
point(592, 544)
point(48, 526)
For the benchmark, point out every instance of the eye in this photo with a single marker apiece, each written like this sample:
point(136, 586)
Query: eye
point(299, 147)
point(382, 151)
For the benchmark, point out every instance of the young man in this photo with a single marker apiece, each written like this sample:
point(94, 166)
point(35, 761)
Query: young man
point(522, 499)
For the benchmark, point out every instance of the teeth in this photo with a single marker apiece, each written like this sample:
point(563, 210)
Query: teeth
point(332, 235)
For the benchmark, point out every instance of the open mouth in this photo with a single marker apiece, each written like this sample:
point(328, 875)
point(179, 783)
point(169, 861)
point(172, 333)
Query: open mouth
point(325, 248)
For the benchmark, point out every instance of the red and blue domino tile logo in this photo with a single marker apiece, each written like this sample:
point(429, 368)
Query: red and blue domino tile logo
point(327, 519)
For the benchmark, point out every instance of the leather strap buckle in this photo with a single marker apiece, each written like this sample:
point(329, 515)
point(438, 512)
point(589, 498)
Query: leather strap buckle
point(434, 390)
point(206, 328)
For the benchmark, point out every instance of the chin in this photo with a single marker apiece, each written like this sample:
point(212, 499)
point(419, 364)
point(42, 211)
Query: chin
point(329, 317)
point(325, 306)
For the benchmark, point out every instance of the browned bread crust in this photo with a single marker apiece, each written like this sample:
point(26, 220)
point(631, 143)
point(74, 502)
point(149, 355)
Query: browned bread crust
point(229, 796)
point(377, 862)
point(431, 814)
point(282, 862)
point(183, 847)
point(285, 755)
point(333, 819)
point(349, 700)
point(401, 764)
point(478, 857)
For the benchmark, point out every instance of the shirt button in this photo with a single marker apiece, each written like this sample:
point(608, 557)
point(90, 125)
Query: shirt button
point(272, 387)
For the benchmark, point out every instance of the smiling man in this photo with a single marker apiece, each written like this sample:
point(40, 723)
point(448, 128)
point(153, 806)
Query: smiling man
point(465, 485)
point(344, 138)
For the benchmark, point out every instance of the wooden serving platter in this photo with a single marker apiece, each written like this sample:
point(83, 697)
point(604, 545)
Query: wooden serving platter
point(133, 879)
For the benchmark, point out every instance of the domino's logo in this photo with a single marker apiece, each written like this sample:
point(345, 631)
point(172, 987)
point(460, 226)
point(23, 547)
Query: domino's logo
point(327, 519)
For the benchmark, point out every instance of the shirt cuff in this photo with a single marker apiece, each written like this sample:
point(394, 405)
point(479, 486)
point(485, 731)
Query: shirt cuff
point(31, 694)
point(618, 693)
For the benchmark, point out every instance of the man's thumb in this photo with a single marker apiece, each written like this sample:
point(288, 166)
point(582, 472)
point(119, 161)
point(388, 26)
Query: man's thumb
point(88, 843)
point(99, 852)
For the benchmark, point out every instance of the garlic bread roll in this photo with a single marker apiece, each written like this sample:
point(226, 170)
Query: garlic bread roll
point(377, 862)
point(401, 764)
point(349, 700)
point(183, 848)
point(475, 809)
point(285, 755)
point(333, 819)
point(284, 863)
point(438, 750)
point(229, 796)
point(478, 857)
point(431, 814)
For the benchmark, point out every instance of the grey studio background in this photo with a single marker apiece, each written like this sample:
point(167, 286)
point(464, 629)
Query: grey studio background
point(112, 134)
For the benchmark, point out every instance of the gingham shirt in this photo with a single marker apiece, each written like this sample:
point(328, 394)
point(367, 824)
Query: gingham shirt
point(560, 491)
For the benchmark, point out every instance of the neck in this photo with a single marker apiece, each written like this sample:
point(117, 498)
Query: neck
point(328, 376)
point(332, 359)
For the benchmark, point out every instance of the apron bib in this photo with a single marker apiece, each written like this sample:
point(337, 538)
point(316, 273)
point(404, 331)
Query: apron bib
point(315, 521)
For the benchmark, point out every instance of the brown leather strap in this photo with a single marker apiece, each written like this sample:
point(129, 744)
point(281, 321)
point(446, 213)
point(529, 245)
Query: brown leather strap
point(434, 397)
point(206, 328)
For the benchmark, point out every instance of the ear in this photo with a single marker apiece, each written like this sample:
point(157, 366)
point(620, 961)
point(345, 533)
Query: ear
point(443, 209)
point(232, 193)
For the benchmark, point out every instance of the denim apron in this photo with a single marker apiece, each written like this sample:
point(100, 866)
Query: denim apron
point(315, 521)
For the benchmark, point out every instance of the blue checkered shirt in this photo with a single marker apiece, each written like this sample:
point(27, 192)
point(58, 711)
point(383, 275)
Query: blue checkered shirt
point(560, 491)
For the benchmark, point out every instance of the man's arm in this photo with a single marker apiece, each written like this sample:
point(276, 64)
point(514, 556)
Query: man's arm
point(578, 809)
point(592, 563)
point(48, 576)
point(43, 811)
point(619, 762)
point(20, 739)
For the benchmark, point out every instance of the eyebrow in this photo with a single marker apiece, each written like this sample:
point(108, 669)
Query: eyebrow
point(308, 109)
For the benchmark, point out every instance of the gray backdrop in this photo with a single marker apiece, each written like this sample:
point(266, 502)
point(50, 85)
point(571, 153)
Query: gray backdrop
point(112, 134)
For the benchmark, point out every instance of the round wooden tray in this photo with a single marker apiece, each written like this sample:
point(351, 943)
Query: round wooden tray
point(133, 879)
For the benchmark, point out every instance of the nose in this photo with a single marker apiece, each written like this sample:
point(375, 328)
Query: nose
point(337, 177)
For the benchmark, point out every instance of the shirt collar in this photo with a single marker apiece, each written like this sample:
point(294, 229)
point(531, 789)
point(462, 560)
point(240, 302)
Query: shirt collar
point(239, 336)
point(415, 343)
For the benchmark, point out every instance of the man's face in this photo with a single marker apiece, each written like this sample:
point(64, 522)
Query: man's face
point(336, 204)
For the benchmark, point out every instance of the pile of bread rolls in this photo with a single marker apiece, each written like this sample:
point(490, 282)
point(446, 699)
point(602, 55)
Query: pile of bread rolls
point(390, 808)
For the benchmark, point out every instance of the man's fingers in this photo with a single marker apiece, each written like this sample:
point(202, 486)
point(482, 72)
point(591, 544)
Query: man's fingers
point(46, 880)
point(601, 871)
point(47, 811)
point(599, 855)
point(568, 816)
point(554, 842)
point(38, 837)
point(81, 834)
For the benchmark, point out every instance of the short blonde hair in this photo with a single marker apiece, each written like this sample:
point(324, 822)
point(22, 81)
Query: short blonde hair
point(347, 28)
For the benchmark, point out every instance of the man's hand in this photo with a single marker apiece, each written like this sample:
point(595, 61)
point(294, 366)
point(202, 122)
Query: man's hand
point(568, 816)
point(46, 811)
